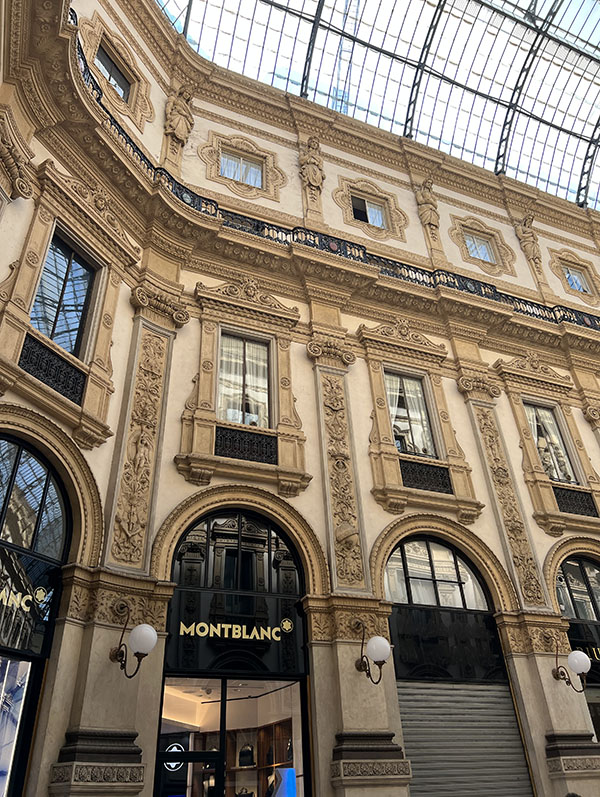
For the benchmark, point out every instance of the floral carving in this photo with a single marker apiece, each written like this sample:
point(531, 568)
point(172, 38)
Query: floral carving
point(513, 522)
point(133, 503)
point(348, 555)
point(14, 163)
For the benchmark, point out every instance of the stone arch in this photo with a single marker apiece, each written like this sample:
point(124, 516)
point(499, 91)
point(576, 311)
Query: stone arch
point(242, 496)
point(572, 546)
point(503, 593)
point(74, 472)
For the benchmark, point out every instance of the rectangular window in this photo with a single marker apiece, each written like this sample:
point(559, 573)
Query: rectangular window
point(576, 279)
point(62, 297)
point(408, 413)
point(244, 170)
point(112, 73)
point(479, 247)
point(550, 444)
point(243, 387)
point(365, 210)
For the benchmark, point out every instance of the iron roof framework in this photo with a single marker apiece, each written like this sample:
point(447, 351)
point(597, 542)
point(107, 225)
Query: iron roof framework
point(513, 87)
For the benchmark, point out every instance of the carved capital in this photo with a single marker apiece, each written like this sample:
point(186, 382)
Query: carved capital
point(478, 386)
point(330, 351)
point(160, 304)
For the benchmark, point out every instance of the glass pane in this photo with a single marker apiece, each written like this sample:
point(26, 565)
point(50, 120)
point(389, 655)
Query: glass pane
point(256, 410)
point(583, 604)
point(8, 452)
point(51, 532)
point(422, 439)
point(190, 715)
point(443, 562)
point(284, 573)
point(14, 676)
point(231, 379)
point(593, 573)
point(552, 448)
point(223, 552)
point(564, 599)
point(417, 558)
point(70, 313)
point(449, 594)
point(474, 595)
point(375, 214)
point(24, 502)
point(230, 166)
point(191, 565)
point(395, 582)
point(398, 412)
point(423, 592)
point(264, 737)
point(251, 173)
point(45, 307)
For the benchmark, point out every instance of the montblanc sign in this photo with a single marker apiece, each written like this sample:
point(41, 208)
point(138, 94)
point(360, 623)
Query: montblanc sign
point(237, 631)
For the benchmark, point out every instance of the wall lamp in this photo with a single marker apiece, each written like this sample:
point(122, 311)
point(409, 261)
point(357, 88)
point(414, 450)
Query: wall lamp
point(579, 662)
point(378, 649)
point(142, 640)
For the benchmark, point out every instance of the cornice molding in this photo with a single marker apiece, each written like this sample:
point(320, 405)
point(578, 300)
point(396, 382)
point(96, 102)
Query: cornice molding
point(246, 298)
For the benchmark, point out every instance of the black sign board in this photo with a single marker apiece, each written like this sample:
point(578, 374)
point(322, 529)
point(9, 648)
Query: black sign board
point(235, 633)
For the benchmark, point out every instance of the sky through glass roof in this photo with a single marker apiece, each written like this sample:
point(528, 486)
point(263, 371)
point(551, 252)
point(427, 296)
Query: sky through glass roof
point(513, 87)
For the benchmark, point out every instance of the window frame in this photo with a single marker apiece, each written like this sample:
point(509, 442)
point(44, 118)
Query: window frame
point(457, 554)
point(568, 270)
point(429, 400)
point(253, 337)
point(477, 239)
point(88, 315)
point(580, 561)
point(565, 435)
point(118, 65)
point(260, 162)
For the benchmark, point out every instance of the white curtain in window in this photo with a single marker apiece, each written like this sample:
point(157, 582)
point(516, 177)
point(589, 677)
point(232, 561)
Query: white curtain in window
point(257, 384)
point(398, 415)
point(417, 412)
point(550, 445)
point(375, 214)
point(230, 166)
point(251, 173)
point(231, 378)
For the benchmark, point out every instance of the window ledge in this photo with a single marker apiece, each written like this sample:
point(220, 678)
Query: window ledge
point(397, 499)
point(88, 431)
point(556, 523)
point(200, 468)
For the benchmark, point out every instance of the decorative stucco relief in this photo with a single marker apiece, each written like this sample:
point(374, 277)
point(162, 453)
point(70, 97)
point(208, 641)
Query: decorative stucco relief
point(133, 503)
point(522, 554)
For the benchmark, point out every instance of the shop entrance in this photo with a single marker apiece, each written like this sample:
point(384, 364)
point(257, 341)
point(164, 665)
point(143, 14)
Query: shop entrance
point(233, 721)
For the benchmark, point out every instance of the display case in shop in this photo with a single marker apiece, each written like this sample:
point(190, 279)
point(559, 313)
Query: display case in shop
point(253, 755)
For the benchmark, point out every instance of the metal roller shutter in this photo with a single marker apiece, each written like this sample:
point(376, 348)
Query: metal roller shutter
point(462, 739)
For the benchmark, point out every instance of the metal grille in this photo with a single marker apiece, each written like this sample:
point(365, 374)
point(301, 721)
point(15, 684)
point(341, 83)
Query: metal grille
point(51, 369)
point(423, 476)
point(252, 446)
point(577, 502)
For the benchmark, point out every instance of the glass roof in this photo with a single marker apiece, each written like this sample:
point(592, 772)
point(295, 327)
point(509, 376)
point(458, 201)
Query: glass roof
point(513, 87)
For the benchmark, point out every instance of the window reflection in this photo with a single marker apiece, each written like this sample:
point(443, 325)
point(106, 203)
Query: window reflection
point(578, 589)
point(14, 676)
point(429, 573)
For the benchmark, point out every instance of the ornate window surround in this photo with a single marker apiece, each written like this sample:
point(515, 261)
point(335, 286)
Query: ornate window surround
point(395, 219)
point(504, 256)
point(397, 347)
point(138, 106)
point(253, 311)
point(565, 257)
point(528, 380)
point(273, 177)
point(95, 229)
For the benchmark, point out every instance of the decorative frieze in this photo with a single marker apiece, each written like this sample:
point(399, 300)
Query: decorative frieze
point(133, 503)
point(335, 618)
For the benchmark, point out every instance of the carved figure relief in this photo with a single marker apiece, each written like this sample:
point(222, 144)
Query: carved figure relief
point(513, 522)
point(348, 555)
point(133, 504)
point(529, 242)
point(427, 207)
point(179, 119)
point(312, 176)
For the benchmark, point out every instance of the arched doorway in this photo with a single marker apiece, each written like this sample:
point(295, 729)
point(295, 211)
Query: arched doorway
point(35, 529)
point(578, 595)
point(234, 701)
point(458, 719)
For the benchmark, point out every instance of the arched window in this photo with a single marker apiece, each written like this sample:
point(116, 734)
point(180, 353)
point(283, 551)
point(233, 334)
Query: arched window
point(34, 531)
point(578, 589)
point(429, 573)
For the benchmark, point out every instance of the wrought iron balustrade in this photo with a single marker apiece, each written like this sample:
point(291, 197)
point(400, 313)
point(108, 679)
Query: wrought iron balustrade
point(576, 502)
point(425, 476)
point(240, 444)
point(45, 364)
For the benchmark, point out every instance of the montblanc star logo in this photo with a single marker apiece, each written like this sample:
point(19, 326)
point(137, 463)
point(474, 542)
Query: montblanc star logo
point(287, 625)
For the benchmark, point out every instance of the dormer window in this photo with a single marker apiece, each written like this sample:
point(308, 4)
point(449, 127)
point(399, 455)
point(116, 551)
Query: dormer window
point(112, 73)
